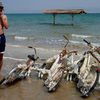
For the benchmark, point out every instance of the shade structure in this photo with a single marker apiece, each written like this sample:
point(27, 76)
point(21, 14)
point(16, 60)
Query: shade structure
point(72, 12)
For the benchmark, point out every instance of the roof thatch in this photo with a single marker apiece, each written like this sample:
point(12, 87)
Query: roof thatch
point(61, 11)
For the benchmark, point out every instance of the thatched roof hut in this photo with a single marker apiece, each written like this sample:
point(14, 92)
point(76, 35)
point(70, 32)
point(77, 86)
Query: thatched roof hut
point(72, 12)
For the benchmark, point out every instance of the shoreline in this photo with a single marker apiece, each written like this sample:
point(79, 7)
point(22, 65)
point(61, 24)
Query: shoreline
point(19, 53)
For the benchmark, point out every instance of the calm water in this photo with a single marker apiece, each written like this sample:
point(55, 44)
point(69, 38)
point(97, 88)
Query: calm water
point(38, 28)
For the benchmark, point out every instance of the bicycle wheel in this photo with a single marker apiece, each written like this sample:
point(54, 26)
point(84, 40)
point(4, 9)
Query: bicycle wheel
point(90, 83)
point(12, 76)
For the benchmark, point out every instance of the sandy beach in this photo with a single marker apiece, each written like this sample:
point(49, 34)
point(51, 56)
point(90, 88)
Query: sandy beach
point(32, 87)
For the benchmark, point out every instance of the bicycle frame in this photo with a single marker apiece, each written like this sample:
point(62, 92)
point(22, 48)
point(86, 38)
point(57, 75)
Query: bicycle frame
point(87, 74)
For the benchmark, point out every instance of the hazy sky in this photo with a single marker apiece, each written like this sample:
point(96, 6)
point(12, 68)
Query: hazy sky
point(33, 6)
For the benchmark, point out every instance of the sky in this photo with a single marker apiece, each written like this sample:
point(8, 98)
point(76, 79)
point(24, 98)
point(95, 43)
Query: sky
point(37, 6)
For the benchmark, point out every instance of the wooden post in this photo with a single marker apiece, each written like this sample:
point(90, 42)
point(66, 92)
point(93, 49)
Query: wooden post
point(54, 18)
point(72, 19)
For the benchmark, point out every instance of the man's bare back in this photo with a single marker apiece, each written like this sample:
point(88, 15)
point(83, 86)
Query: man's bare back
point(3, 24)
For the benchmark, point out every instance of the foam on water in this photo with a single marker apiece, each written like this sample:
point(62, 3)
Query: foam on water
point(17, 59)
point(20, 38)
point(81, 36)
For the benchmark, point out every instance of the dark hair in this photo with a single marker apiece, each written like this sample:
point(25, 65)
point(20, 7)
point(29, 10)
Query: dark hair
point(1, 7)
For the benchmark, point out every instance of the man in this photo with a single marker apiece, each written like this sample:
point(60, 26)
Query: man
point(3, 24)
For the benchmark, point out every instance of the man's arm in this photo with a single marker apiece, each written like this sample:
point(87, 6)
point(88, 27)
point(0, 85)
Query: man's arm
point(4, 21)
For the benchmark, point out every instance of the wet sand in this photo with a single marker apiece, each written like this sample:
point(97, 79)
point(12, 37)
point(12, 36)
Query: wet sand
point(32, 87)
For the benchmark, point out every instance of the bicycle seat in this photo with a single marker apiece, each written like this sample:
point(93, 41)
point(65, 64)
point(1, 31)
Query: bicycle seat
point(31, 57)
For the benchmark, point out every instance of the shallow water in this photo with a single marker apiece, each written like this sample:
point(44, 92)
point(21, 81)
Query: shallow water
point(32, 89)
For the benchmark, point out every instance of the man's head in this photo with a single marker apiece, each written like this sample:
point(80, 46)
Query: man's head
point(1, 7)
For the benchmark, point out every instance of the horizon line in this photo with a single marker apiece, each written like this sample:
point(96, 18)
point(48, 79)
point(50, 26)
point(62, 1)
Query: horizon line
point(41, 13)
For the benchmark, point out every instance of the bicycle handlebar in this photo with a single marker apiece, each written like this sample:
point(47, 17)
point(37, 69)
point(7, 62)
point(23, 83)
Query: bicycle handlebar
point(97, 49)
point(86, 42)
point(34, 49)
point(67, 40)
point(35, 56)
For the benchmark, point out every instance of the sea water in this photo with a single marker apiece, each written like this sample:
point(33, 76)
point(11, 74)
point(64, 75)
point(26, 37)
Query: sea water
point(25, 29)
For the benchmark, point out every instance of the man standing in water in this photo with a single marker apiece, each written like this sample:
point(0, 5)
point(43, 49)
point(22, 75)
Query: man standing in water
point(3, 24)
